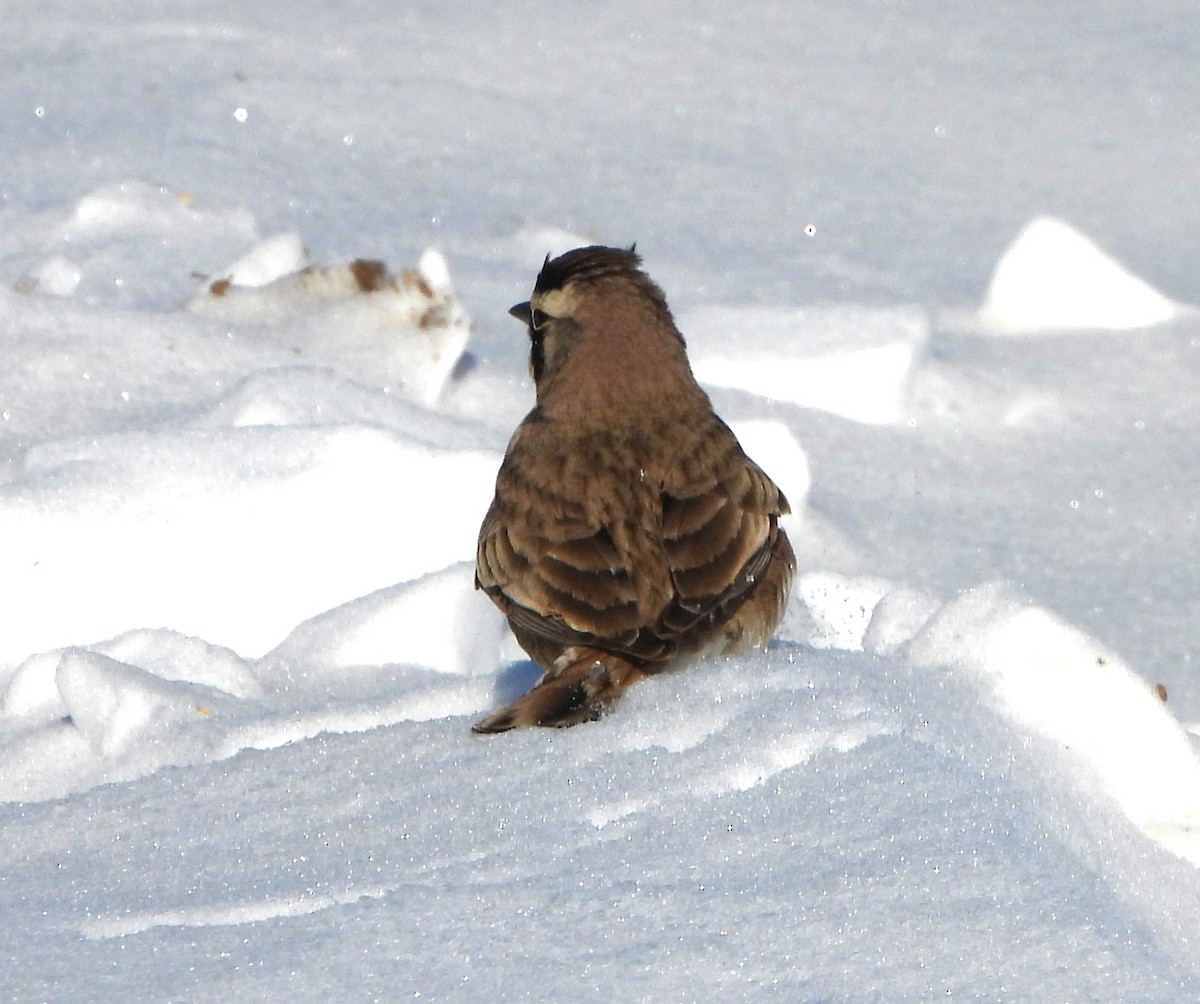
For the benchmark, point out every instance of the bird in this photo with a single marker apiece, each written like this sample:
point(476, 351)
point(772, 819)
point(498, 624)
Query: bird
point(629, 531)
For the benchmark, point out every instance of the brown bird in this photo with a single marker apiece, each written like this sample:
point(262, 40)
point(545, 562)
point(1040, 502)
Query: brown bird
point(628, 528)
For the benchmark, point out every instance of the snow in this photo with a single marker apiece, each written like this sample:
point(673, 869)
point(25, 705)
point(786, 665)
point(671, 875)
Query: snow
point(1054, 277)
point(258, 379)
point(850, 361)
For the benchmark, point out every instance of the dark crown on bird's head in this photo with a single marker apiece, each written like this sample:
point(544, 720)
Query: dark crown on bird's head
point(585, 264)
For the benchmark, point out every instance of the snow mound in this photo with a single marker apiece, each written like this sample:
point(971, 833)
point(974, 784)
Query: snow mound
point(840, 606)
point(1108, 733)
point(57, 275)
point(896, 619)
point(402, 331)
point(267, 261)
point(78, 717)
point(853, 361)
point(1053, 278)
point(175, 656)
point(34, 696)
point(116, 720)
point(114, 704)
point(1053, 679)
point(283, 522)
point(393, 626)
point(132, 245)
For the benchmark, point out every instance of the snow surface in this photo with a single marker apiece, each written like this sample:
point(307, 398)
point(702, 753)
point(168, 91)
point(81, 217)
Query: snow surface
point(1054, 277)
point(258, 378)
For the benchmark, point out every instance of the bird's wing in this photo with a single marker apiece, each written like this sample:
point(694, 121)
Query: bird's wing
point(572, 589)
point(573, 571)
point(720, 524)
point(554, 559)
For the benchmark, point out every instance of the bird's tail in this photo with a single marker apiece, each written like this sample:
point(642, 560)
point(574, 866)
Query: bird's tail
point(582, 684)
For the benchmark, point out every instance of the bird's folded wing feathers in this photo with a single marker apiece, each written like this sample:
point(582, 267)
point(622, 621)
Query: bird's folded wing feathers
point(571, 582)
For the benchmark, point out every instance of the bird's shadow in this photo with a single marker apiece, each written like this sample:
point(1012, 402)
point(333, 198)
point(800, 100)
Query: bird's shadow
point(515, 679)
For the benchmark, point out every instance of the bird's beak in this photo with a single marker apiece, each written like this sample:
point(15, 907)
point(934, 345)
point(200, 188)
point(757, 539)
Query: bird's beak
point(522, 312)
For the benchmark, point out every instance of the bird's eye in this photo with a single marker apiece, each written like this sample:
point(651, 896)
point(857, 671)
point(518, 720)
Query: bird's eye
point(538, 319)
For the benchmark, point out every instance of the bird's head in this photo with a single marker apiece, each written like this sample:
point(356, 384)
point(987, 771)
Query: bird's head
point(594, 307)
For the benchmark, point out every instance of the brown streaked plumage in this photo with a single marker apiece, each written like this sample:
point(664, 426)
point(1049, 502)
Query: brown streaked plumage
point(628, 528)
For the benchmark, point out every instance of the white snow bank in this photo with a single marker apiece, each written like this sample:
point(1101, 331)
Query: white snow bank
point(118, 721)
point(1110, 731)
point(403, 331)
point(116, 705)
point(33, 693)
point(75, 718)
point(133, 246)
point(267, 261)
point(129, 244)
point(57, 275)
point(840, 606)
point(1053, 278)
point(234, 535)
point(1052, 678)
point(439, 622)
point(853, 361)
